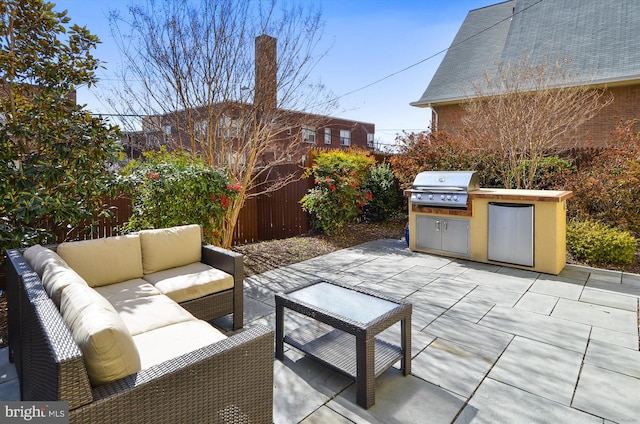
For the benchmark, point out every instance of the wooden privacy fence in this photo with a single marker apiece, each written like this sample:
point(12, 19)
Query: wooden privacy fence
point(269, 216)
point(277, 214)
point(274, 215)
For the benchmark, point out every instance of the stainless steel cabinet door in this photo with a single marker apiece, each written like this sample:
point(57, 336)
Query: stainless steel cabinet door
point(455, 236)
point(429, 235)
point(511, 233)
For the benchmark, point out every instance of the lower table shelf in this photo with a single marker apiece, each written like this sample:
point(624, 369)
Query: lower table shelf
point(337, 349)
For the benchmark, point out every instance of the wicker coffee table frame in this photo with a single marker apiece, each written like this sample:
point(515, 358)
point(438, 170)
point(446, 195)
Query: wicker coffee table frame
point(336, 349)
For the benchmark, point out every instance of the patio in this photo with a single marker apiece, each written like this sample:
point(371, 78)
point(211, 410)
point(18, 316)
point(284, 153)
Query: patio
point(489, 343)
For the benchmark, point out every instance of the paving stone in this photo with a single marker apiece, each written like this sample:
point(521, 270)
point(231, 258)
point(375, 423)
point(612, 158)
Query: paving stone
point(469, 309)
point(539, 368)
point(10, 390)
point(325, 415)
point(536, 302)
point(548, 329)
point(401, 400)
point(495, 402)
point(631, 279)
point(7, 369)
point(451, 270)
point(469, 334)
point(424, 314)
point(498, 281)
point(605, 275)
point(452, 366)
point(399, 286)
point(614, 358)
point(419, 340)
point(607, 298)
point(558, 287)
point(608, 394)
point(627, 340)
point(619, 288)
point(433, 262)
point(575, 272)
point(254, 309)
point(301, 386)
point(443, 292)
point(495, 296)
point(597, 315)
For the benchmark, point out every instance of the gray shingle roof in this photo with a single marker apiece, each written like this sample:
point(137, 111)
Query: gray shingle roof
point(601, 38)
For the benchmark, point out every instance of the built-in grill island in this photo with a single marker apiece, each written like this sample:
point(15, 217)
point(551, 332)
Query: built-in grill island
point(451, 215)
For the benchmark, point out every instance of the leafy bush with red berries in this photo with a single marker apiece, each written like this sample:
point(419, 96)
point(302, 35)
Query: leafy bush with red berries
point(338, 196)
point(170, 189)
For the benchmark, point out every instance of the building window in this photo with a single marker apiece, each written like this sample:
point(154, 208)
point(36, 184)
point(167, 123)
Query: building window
point(327, 136)
point(369, 139)
point(167, 129)
point(345, 137)
point(309, 135)
point(228, 127)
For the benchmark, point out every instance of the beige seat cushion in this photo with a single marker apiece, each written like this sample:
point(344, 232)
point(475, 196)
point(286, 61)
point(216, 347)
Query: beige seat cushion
point(107, 347)
point(169, 342)
point(144, 314)
point(56, 277)
point(190, 281)
point(129, 289)
point(170, 247)
point(38, 257)
point(106, 260)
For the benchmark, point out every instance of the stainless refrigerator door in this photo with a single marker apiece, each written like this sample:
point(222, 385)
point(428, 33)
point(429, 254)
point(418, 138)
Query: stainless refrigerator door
point(511, 233)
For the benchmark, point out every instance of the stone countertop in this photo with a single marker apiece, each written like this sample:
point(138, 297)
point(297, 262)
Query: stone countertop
point(521, 195)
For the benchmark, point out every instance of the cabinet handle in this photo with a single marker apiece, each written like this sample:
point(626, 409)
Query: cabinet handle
point(437, 225)
point(445, 225)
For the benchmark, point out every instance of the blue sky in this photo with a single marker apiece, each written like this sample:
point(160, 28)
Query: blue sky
point(369, 39)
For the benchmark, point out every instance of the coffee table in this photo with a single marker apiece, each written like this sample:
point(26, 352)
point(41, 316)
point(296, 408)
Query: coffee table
point(357, 315)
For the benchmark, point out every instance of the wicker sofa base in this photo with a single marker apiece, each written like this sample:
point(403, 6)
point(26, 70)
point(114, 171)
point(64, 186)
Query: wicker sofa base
point(227, 381)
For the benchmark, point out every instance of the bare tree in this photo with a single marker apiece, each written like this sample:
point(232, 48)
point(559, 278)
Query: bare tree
point(210, 80)
point(525, 111)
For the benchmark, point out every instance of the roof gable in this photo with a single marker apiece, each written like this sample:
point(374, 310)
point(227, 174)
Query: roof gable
point(599, 37)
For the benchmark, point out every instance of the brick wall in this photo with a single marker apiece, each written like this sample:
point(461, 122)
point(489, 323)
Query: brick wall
point(626, 106)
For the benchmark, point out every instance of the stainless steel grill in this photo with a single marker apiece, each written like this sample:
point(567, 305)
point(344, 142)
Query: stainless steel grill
point(444, 188)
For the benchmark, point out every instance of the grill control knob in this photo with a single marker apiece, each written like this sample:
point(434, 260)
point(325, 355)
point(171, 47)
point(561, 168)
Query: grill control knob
point(442, 197)
point(448, 197)
point(419, 195)
point(431, 197)
point(455, 198)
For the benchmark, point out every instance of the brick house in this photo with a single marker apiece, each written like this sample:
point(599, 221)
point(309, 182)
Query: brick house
point(600, 37)
point(292, 128)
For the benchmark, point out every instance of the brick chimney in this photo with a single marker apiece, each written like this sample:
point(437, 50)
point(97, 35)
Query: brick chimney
point(265, 96)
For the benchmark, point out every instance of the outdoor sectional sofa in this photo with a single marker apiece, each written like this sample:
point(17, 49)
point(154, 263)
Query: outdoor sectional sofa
point(117, 328)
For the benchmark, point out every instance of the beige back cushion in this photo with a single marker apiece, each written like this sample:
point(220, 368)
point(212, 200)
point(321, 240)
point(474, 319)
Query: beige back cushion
point(170, 247)
point(106, 260)
point(56, 277)
point(38, 257)
point(107, 346)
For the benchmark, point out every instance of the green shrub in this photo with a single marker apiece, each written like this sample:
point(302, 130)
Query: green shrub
point(170, 189)
point(549, 174)
point(595, 243)
point(337, 198)
point(384, 189)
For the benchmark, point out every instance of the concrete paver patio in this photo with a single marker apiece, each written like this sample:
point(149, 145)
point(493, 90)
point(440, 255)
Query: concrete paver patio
point(490, 344)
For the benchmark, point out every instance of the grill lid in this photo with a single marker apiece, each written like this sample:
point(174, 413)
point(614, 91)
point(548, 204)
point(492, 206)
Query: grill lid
point(444, 188)
point(446, 181)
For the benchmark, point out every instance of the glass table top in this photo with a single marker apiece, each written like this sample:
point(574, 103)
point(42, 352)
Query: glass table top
point(342, 301)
